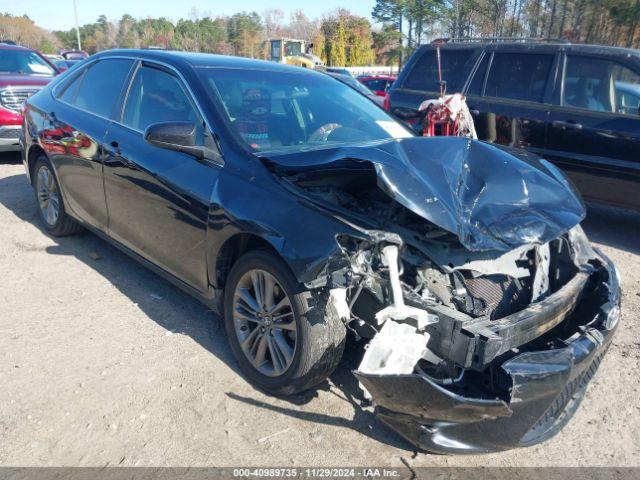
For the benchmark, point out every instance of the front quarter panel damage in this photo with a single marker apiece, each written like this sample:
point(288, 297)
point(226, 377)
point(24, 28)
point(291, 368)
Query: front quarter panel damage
point(303, 235)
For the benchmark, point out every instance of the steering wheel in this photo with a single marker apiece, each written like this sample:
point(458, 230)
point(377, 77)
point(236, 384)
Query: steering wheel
point(322, 134)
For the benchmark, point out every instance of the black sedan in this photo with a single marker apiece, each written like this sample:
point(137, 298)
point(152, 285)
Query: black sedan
point(302, 212)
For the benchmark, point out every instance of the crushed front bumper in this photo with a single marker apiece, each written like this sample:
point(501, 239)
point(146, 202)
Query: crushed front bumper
point(546, 388)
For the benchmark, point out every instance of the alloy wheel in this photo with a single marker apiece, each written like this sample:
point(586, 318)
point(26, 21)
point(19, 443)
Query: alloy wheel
point(264, 322)
point(48, 198)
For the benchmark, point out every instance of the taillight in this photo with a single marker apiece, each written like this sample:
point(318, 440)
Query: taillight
point(387, 103)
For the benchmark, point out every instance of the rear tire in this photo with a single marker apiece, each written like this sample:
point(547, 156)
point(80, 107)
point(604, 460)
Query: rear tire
point(51, 209)
point(313, 342)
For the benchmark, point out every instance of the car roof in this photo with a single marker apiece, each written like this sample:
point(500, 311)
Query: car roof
point(8, 46)
point(539, 46)
point(200, 60)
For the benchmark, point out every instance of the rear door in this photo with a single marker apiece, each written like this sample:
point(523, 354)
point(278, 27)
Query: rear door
point(594, 132)
point(510, 96)
point(74, 141)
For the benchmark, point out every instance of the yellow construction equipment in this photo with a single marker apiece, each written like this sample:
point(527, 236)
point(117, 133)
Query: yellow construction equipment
point(292, 52)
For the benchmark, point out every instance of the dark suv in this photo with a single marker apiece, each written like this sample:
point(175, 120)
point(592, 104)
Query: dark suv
point(576, 105)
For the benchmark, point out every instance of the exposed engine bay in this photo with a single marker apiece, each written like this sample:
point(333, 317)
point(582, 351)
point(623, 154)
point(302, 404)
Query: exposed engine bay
point(420, 275)
point(436, 267)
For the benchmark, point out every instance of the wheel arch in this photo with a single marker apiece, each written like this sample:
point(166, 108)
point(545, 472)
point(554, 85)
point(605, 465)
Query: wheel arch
point(235, 247)
point(32, 156)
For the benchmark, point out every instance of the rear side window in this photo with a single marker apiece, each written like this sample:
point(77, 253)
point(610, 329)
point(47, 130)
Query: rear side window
point(101, 86)
point(456, 65)
point(601, 85)
point(519, 76)
point(68, 93)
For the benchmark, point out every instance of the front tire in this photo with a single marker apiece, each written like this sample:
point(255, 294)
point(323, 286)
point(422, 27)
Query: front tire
point(279, 331)
point(49, 201)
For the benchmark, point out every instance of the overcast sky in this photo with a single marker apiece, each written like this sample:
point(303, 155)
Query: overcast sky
point(58, 14)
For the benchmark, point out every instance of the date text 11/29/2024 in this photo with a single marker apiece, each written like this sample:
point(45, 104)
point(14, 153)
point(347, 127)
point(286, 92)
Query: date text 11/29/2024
point(321, 472)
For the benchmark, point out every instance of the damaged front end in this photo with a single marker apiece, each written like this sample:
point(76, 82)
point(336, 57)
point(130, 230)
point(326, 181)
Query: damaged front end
point(527, 372)
point(485, 309)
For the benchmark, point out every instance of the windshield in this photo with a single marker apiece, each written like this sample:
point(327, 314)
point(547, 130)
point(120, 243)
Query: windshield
point(353, 83)
point(294, 111)
point(24, 62)
point(292, 49)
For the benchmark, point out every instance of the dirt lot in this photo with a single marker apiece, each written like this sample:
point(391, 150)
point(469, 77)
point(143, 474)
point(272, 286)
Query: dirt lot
point(104, 363)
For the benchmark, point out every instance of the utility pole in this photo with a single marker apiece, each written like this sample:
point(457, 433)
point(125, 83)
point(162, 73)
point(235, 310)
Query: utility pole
point(75, 12)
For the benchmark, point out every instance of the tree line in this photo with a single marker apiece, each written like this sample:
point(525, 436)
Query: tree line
point(339, 38)
point(409, 23)
point(24, 31)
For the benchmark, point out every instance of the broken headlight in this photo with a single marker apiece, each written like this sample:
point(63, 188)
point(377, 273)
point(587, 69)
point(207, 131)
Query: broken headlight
point(582, 250)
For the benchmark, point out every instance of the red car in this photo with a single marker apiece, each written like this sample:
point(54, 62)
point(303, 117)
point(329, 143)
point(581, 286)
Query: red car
point(378, 84)
point(23, 72)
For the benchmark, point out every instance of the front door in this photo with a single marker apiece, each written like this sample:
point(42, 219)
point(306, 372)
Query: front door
point(159, 199)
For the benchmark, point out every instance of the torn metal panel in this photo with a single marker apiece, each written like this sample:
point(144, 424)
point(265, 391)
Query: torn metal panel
point(505, 264)
point(490, 197)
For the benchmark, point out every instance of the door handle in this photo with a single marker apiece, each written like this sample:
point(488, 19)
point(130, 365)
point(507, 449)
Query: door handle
point(569, 124)
point(115, 157)
point(116, 148)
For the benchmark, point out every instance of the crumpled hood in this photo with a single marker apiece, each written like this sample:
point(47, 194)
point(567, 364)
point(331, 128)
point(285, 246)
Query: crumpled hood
point(492, 198)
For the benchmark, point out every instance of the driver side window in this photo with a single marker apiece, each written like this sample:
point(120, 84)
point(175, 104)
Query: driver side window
point(157, 96)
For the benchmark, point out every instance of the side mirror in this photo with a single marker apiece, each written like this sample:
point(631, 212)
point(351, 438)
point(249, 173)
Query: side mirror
point(380, 93)
point(177, 136)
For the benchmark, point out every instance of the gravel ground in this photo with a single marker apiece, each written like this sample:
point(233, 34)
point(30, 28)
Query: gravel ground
point(104, 363)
